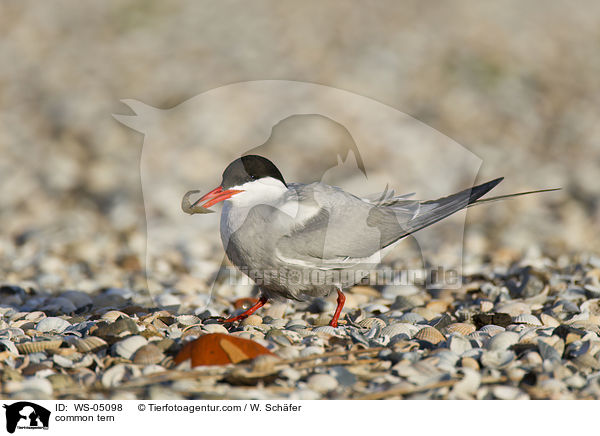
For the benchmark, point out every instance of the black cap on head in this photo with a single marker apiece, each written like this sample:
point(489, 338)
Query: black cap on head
point(249, 168)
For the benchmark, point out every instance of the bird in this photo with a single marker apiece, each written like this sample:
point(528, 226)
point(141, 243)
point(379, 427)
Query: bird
point(298, 241)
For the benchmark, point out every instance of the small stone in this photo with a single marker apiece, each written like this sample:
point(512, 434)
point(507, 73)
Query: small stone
point(469, 362)
point(253, 320)
point(322, 383)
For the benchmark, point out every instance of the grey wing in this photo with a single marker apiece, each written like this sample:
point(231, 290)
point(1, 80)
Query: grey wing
point(347, 230)
point(341, 232)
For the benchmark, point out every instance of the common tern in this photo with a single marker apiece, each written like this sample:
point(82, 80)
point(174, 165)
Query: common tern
point(298, 241)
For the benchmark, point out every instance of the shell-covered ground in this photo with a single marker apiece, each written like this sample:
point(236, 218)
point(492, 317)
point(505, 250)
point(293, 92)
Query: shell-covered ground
point(103, 278)
point(529, 330)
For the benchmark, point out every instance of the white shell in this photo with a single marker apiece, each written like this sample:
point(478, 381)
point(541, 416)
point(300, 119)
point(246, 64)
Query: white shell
point(430, 334)
point(491, 329)
point(119, 373)
point(507, 392)
point(322, 383)
point(497, 358)
point(78, 298)
point(400, 328)
point(513, 308)
point(459, 344)
point(411, 318)
point(549, 321)
point(461, 328)
point(186, 320)
point(214, 328)
point(91, 343)
point(328, 330)
point(371, 322)
point(526, 318)
point(128, 346)
point(52, 324)
point(502, 341)
point(148, 354)
point(486, 306)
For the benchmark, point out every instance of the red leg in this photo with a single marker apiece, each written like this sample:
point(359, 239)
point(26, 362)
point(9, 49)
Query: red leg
point(341, 299)
point(248, 312)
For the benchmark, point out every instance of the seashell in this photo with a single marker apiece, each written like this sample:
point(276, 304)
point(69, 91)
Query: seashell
point(513, 308)
point(327, 330)
point(278, 337)
point(164, 344)
point(376, 308)
point(532, 358)
point(426, 313)
point(62, 361)
point(411, 318)
point(35, 387)
point(61, 381)
point(277, 323)
point(253, 320)
point(502, 341)
point(119, 373)
point(468, 385)
point(90, 344)
point(548, 352)
point(458, 344)
point(265, 363)
point(447, 359)
point(86, 361)
point(486, 306)
point(78, 299)
point(437, 306)
point(38, 346)
point(507, 392)
point(527, 334)
point(372, 322)
point(430, 334)
point(9, 346)
point(214, 328)
point(52, 324)
point(310, 351)
point(549, 321)
point(120, 328)
point(460, 328)
point(592, 306)
point(296, 322)
point(400, 328)
point(128, 346)
point(492, 329)
point(469, 362)
point(35, 316)
point(187, 320)
point(496, 359)
point(113, 315)
point(59, 305)
point(406, 303)
point(148, 354)
point(526, 318)
point(219, 349)
point(322, 383)
point(288, 352)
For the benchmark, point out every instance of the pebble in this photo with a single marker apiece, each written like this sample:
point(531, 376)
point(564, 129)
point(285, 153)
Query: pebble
point(544, 336)
point(322, 383)
point(52, 324)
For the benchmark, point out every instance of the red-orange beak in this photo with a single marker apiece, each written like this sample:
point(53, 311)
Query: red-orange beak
point(217, 195)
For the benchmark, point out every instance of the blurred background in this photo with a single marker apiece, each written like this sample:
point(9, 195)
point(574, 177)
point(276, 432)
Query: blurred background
point(516, 83)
